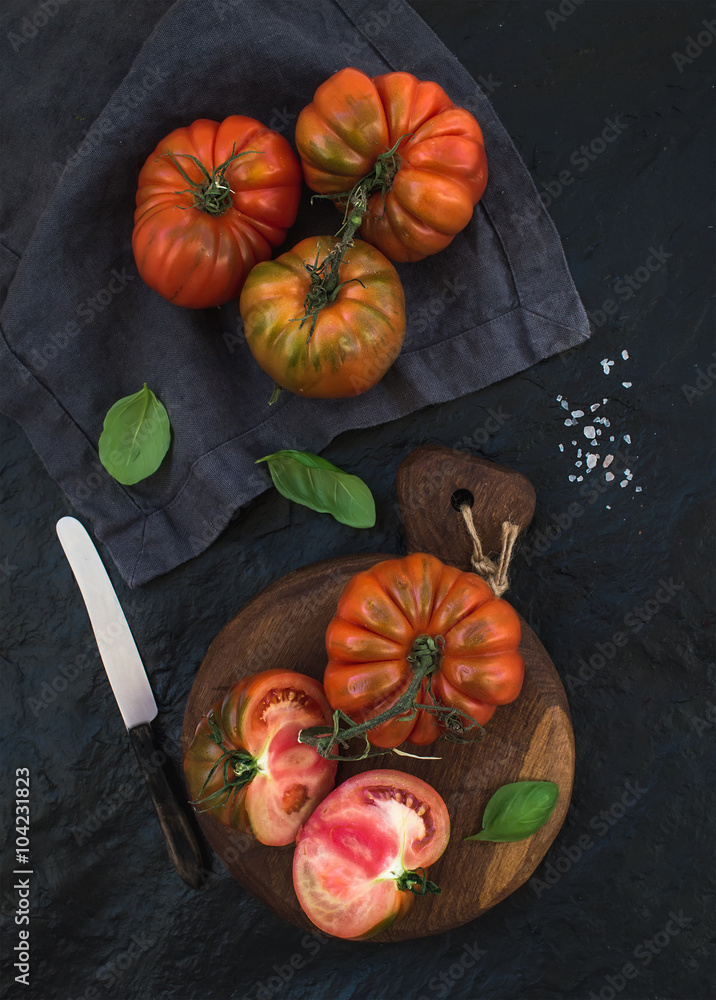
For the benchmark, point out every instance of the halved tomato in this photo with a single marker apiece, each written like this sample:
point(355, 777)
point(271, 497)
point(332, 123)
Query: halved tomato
point(363, 855)
point(245, 765)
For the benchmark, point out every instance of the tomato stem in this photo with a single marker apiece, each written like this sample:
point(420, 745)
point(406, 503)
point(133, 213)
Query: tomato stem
point(213, 194)
point(244, 766)
point(417, 883)
point(325, 283)
point(425, 657)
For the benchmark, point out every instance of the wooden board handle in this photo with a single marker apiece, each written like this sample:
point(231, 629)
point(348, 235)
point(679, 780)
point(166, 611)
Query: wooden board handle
point(431, 481)
point(182, 844)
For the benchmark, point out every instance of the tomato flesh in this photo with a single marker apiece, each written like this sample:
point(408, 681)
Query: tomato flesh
point(260, 718)
point(357, 844)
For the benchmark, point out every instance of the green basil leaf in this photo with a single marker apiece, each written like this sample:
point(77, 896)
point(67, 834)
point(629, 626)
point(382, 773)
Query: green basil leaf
point(135, 437)
point(316, 483)
point(518, 810)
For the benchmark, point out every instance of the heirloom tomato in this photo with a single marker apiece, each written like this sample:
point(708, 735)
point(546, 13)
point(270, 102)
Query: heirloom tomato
point(323, 331)
point(418, 159)
point(213, 199)
point(363, 855)
point(245, 765)
point(415, 621)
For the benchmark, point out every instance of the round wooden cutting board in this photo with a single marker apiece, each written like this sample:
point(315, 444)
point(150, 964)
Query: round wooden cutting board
point(531, 739)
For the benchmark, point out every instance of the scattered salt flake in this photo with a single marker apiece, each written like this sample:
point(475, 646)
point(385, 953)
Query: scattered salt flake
point(605, 400)
point(603, 420)
point(592, 460)
point(606, 365)
point(627, 438)
point(628, 474)
point(598, 431)
point(572, 478)
point(580, 479)
point(624, 483)
point(574, 442)
point(564, 404)
point(589, 431)
point(608, 461)
point(637, 489)
point(559, 399)
point(608, 507)
point(627, 385)
point(579, 452)
point(611, 438)
point(569, 422)
point(577, 413)
point(609, 476)
point(594, 406)
point(625, 354)
point(578, 465)
point(561, 447)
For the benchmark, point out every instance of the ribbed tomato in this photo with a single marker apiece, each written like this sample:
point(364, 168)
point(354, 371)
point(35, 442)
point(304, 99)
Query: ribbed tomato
point(425, 158)
point(416, 614)
point(363, 855)
point(324, 335)
point(245, 765)
point(213, 200)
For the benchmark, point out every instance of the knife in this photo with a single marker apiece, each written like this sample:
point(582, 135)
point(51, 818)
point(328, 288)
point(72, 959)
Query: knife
point(130, 685)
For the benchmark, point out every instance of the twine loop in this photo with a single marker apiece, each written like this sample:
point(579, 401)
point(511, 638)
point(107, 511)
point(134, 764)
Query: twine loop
point(495, 573)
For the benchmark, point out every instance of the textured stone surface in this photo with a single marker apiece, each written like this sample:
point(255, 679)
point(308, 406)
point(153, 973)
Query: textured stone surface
point(108, 916)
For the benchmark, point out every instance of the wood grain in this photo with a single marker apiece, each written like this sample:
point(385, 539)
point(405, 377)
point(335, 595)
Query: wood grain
point(284, 626)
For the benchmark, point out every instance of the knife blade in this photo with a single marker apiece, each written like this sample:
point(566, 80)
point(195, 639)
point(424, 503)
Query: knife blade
point(132, 692)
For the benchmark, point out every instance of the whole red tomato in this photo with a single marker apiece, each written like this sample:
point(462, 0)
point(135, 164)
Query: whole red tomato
point(363, 855)
point(416, 613)
point(213, 199)
point(245, 765)
point(318, 339)
point(422, 159)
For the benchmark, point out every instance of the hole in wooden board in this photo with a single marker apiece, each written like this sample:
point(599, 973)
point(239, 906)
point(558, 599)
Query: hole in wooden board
point(462, 497)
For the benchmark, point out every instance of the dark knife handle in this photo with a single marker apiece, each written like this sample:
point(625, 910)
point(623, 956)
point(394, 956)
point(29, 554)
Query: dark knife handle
point(182, 844)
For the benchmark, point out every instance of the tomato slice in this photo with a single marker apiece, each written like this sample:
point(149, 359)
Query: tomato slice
point(245, 765)
point(359, 844)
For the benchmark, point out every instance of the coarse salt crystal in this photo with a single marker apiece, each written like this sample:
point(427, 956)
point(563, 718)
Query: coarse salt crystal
point(577, 413)
point(572, 478)
point(569, 422)
point(628, 474)
point(624, 483)
point(627, 385)
point(580, 479)
point(559, 399)
point(579, 452)
point(592, 460)
point(627, 438)
point(594, 406)
point(564, 404)
point(574, 442)
point(561, 447)
point(589, 431)
point(608, 507)
point(609, 476)
point(578, 465)
point(611, 438)
point(637, 489)
point(625, 354)
point(608, 461)
point(606, 365)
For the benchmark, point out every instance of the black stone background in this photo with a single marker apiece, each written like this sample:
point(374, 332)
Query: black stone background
point(109, 916)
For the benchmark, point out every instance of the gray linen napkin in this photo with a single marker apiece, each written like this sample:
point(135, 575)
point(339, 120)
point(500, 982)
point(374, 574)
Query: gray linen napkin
point(80, 329)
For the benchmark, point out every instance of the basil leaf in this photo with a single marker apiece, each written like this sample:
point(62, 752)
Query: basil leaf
point(518, 810)
point(135, 437)
point(316, 483)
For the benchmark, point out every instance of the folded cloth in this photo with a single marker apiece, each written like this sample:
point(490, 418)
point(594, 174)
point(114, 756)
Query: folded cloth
point(80, 328)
